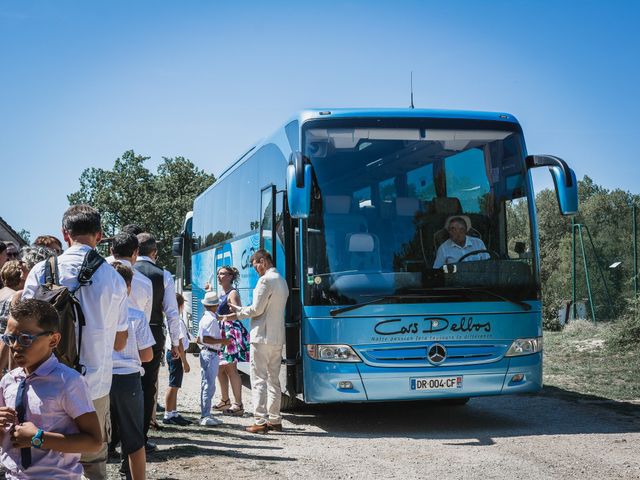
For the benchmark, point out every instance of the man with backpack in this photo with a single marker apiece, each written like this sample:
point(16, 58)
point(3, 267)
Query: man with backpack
point(101, 295)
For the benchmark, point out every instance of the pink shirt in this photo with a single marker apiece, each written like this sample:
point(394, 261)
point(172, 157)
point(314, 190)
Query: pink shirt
point(56, 395)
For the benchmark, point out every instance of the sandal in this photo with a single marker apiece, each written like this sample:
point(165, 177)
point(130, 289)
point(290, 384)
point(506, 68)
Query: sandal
point(222, 404)
point(236, 410)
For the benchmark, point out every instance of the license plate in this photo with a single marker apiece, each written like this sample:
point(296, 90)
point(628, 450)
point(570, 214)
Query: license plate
point(436, 383)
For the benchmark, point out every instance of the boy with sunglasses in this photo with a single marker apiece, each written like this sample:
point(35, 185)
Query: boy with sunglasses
point(47, 417)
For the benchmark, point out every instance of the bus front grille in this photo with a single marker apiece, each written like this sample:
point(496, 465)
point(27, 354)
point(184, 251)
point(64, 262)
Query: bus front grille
point(457, 354)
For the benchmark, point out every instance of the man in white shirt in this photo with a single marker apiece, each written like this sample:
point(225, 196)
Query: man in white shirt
point(104, 305)
point(267, 337)
point(163, 305)
point(458, 245)
point(127, 405)
point(124, 249)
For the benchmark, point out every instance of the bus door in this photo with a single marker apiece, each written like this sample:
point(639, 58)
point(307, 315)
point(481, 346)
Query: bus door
point(275, 233)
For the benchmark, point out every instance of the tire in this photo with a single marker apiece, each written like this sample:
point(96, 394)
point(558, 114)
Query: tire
point(289, 403)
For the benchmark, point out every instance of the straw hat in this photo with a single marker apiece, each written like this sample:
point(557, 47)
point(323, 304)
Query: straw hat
point(210, 299)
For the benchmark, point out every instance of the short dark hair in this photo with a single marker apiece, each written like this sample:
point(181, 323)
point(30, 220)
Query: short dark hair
point(260, 254)
point(43, 312)
point(124, 244)
point(3, 247)
point(124, 271)
point(81, 220)
point(146, 244)
point(132, 228)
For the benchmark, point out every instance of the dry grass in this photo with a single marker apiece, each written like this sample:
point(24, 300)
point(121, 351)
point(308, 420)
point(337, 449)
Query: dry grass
point(579, 359)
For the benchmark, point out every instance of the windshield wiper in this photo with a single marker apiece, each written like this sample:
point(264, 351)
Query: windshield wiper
point(338, 311)
point(525, 306)
point(348, 308)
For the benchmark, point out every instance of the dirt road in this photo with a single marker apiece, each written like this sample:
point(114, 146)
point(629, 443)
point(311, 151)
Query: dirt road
point(547, 436)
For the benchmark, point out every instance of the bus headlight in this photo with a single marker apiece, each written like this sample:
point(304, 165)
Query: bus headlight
point(524, 346)
point(333, 353)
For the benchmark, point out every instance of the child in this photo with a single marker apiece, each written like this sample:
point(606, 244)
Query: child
point(127, 408)
point(177, 366)
point(209, 341)
point(45, 406)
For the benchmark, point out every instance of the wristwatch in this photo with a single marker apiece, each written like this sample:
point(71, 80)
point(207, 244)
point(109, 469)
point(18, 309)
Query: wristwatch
point(37, 440)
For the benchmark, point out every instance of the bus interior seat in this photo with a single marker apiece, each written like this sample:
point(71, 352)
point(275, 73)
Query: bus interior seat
point(445, 206)
point(341, 217)
point(443, 234)
point(337, 204)
point(403, 223)
point(364, 251)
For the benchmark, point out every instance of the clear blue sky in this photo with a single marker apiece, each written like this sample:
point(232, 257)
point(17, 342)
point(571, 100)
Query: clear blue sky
point(83, 81)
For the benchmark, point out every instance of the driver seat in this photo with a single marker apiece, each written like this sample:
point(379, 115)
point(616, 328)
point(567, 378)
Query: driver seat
point(443, 234)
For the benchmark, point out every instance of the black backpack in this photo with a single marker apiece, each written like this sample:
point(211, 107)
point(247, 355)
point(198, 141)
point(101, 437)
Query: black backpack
point(68, 306)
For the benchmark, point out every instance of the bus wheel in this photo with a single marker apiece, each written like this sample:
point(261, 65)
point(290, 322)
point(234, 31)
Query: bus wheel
point(456, 402)
point(289, 403)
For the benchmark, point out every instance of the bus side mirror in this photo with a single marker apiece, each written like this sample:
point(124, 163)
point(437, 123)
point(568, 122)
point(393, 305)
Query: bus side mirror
point(298, 186)
point(176, 246)
point(564, 180)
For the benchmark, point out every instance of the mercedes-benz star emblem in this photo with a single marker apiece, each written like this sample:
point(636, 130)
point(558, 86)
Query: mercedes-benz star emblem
point(437, 353)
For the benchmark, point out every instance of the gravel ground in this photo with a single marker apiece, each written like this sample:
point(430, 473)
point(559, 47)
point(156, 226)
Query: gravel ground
point(552, 435)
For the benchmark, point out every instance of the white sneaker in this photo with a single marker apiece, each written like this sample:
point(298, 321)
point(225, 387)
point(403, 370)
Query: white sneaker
point(210, 422)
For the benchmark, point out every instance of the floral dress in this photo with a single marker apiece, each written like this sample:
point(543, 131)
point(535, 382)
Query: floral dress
point(238, 348)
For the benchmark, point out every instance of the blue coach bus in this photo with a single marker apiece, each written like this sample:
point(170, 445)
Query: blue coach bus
point(354, 204)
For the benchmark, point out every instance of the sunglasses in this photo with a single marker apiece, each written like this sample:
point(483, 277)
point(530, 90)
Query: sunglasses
point(13, 254)
point(23, 339)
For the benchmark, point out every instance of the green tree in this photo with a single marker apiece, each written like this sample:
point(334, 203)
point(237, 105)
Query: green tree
point(130, 193)
point(607, 214)
point(25, 235)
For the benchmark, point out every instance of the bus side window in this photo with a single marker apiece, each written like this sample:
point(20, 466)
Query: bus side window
point(267, 214)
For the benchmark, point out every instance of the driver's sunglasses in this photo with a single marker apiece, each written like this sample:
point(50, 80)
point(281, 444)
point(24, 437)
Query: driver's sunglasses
point(24, 339)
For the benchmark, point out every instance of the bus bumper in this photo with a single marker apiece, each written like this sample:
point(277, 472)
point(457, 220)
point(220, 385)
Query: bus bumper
point(369, 383)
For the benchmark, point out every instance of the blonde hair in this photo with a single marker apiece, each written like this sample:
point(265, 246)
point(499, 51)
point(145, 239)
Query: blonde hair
point(11, 274)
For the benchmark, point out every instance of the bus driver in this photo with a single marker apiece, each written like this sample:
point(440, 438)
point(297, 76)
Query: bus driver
point(459, 244)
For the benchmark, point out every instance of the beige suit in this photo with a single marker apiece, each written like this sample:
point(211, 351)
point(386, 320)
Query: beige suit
point(267, 337)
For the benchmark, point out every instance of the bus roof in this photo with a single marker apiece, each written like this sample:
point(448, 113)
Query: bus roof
point(326, 113)
point(312, 113)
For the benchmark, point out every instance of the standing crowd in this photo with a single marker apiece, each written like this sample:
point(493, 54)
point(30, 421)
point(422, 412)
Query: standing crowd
point(83, 340)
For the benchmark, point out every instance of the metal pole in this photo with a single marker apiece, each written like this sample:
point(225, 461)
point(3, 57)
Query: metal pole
point(586, 274)
point(604, 280)
point(635, 252)
point(573, 267)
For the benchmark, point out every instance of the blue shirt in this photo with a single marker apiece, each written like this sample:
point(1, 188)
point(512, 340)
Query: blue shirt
point(451, 252)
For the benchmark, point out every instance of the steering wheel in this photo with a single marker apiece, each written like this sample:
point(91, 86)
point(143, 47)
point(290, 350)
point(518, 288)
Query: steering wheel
point(492, 254)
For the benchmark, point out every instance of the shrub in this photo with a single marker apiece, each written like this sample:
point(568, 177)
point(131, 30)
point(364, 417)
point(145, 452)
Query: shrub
point(625, 332)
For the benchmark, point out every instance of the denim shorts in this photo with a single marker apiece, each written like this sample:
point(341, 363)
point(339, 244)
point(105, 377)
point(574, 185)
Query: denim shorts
point(175, 370)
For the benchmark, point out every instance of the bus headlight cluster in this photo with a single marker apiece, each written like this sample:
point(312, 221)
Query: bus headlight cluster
point(333, 353)
point(525, 346)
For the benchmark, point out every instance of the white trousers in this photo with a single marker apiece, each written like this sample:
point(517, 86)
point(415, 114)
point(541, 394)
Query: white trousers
point(265, 382)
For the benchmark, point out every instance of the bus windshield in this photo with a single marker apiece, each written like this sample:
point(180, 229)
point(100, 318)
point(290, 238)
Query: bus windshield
point(408, 213)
